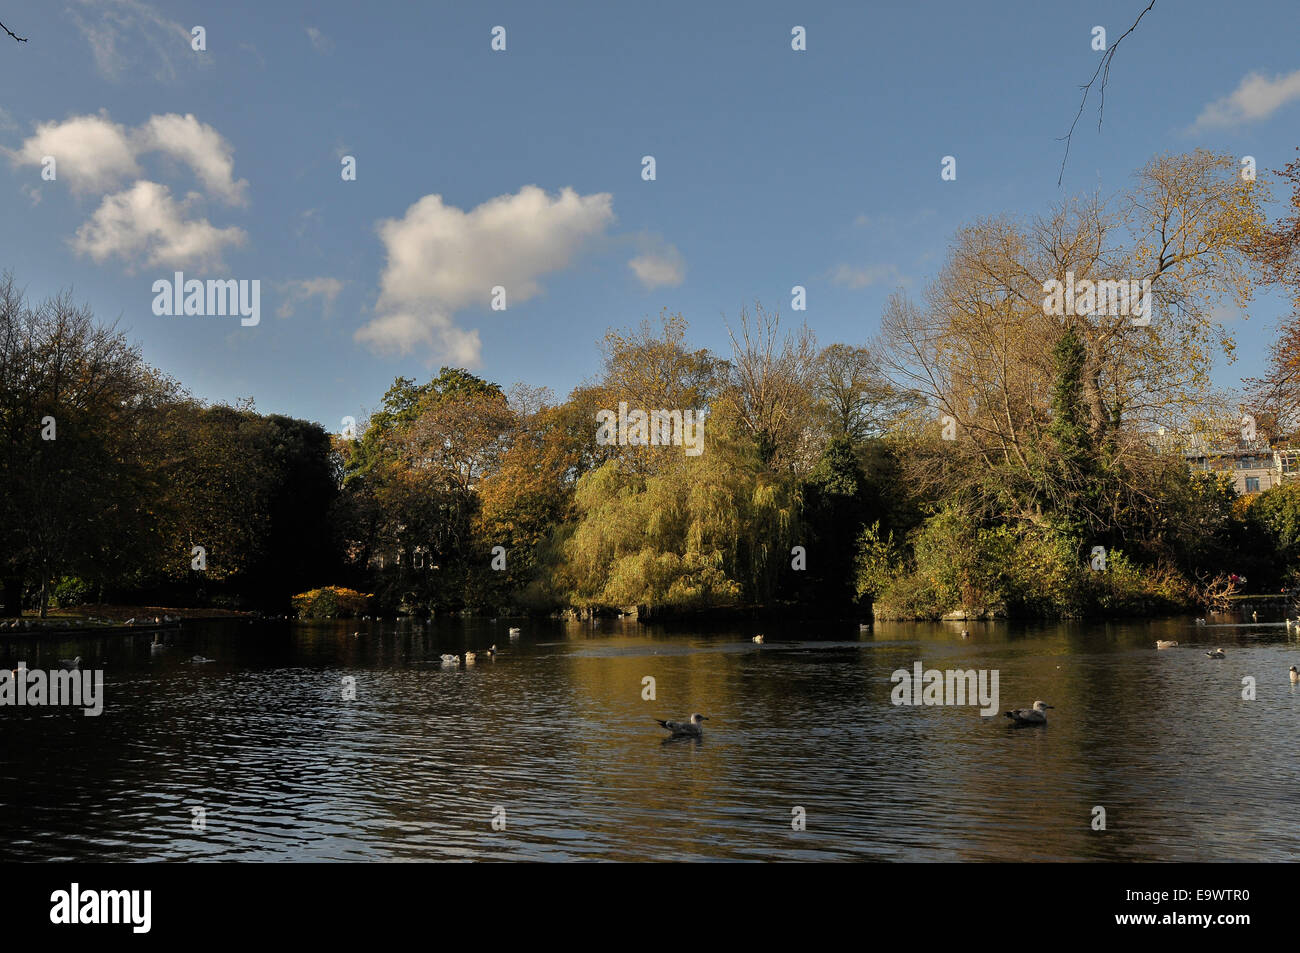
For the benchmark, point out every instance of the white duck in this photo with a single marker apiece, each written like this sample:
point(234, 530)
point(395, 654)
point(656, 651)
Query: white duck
point(1166, 643)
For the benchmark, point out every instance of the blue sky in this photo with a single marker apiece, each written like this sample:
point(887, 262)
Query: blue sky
point(774, 167)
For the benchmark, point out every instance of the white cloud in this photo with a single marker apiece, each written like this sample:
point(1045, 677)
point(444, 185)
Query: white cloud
point(442, 259)
point(120, 31)
point(864, 277)
point(1226, 312)
point(91, 153)
point(403, 331)
point(200, 147)
point(319, 41)
point(660, 266)
point(303, 289)
point(142, 223)
point(145, 222)
point(1257, 97)
point(95, 154)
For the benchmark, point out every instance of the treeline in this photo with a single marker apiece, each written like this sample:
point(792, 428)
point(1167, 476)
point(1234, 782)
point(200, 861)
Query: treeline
point(459, 495)
point(983, 455)
point(115, 484)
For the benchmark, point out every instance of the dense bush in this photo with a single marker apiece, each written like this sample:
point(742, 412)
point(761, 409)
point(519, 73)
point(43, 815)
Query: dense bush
point(1276, 514)
point(330, 602)
point(71, 591)
point(959, 566)
point(879, 562)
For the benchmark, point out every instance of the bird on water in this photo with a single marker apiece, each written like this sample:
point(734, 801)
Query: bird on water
point(685, 729)
point(1030, 716)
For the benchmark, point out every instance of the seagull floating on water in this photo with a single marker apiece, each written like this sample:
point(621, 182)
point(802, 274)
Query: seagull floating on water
point(1217, 653)
point(685, 729)
point(759, 639)
point(199, 660)
point(515, 633)
point(1165, 643)
point(1030, 716)
point(1295, 676)
point(450, 659)
point(469, 658)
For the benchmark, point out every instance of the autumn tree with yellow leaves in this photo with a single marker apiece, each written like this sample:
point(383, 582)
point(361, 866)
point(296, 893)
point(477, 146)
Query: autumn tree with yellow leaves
point(978, 347)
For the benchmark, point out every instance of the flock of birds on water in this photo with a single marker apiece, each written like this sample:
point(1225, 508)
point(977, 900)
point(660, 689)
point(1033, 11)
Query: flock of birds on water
point(694, 727)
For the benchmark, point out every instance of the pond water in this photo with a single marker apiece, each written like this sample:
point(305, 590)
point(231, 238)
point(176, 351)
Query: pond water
point(554, 741)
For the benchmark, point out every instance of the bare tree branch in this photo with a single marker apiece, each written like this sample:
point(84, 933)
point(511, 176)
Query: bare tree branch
point(1103, 70)
point(20, 39)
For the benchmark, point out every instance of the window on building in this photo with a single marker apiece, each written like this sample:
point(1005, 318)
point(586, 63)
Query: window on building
point(1252, 485)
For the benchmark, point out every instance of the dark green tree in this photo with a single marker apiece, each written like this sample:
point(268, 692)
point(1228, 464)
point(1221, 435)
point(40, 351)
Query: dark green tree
point(835, 510)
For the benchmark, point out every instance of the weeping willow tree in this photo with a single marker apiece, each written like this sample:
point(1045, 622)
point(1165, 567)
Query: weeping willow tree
point(655, 525)
point(713, 529)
